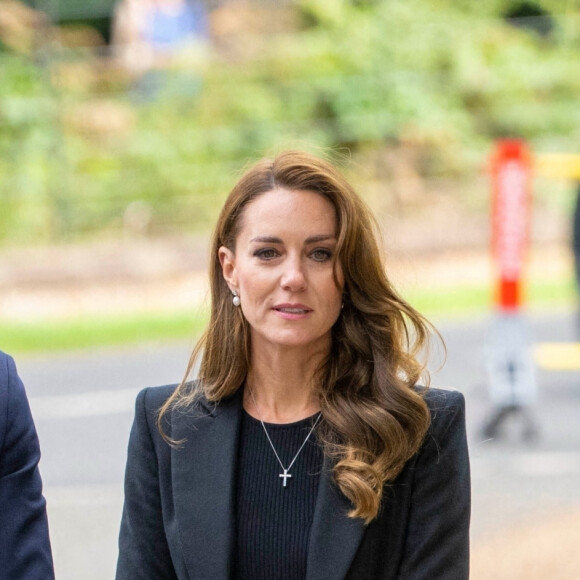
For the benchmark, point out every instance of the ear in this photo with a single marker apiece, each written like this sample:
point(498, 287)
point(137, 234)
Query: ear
point(228, 263)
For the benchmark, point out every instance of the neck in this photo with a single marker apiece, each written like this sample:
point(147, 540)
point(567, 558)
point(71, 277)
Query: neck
point(283, 386)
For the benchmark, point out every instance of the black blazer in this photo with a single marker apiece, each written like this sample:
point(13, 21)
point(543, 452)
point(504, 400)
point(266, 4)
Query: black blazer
point(178, 517)
point(24, 543)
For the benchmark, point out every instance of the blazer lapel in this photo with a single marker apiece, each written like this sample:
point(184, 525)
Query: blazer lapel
point(204, 472)
point(334, 537)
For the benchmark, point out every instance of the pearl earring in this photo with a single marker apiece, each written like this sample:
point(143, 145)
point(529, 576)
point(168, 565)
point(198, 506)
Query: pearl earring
point(236, 299)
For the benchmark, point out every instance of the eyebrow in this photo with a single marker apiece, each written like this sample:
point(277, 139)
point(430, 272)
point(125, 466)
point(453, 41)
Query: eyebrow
point(310, 240)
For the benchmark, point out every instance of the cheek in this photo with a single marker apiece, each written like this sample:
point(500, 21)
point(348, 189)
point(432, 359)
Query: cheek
point(338, 282)
point(254, 286)
point(332, 294)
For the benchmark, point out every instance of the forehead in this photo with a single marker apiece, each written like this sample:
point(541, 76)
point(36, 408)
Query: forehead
point(285, 209)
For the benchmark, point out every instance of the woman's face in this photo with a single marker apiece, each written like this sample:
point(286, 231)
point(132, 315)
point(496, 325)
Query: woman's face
point(283, 269)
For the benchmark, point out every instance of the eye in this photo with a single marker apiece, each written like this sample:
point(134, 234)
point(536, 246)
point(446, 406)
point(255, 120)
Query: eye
point(266, 253)
point(321, 255)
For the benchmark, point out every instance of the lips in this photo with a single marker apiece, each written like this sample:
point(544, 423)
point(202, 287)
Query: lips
point(292, 308)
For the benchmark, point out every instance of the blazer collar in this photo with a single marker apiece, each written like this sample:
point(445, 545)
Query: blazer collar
point(204, 473)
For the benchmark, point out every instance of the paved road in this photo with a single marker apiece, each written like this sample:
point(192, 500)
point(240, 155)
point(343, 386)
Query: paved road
point(83, 408)
point(83, 405)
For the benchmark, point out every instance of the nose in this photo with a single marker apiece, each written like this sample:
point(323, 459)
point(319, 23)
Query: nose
point(293, 278)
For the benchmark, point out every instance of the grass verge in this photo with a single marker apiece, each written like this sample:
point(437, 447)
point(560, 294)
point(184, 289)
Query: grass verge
point(96, 331)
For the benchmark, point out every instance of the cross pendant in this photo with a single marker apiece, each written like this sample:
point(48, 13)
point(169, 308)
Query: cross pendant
point(285, 475)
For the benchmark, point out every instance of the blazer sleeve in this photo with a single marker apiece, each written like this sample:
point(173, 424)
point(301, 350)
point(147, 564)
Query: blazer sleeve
point(143, 546)
point(25, 551)
point(437, 539)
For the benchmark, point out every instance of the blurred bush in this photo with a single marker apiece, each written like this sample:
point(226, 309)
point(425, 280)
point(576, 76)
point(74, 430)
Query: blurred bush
point(416, 88)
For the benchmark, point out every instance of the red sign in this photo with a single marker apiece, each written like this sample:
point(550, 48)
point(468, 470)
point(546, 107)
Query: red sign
point(511, 180)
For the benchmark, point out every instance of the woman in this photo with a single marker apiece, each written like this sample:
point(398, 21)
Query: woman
point(304, 449)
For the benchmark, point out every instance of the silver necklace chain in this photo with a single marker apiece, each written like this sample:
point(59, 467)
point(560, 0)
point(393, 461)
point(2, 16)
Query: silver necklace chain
point(285, 475)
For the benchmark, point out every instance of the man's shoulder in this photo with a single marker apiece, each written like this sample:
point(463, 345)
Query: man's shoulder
point(11, 389)
point(6, 362)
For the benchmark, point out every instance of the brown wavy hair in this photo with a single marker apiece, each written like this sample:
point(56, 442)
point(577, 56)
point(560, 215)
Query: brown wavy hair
point(374, 417)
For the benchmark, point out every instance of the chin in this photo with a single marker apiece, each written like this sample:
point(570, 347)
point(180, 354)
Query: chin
point(299, 341)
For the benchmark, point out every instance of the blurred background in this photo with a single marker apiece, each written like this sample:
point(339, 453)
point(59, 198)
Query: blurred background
point(123, 125)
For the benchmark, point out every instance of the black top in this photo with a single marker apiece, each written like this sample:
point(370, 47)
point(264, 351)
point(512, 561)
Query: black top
point(273, 521)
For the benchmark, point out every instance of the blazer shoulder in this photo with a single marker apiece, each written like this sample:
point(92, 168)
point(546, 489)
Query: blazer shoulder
point(150, 400)
point(443, 398)
point(153, 398)
point(447, 408)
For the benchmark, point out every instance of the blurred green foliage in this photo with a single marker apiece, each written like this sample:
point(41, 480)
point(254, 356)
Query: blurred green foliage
point(85, 152)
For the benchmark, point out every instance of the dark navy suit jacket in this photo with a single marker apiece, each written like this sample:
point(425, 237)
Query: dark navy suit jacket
point(178, 518)
point(24, 542)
